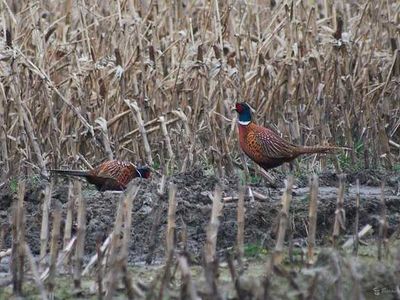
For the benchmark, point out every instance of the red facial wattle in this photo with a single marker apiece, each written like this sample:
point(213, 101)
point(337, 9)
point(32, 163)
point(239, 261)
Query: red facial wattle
point(239, 107)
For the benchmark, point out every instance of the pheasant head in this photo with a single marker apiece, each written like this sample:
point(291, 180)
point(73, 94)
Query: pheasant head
point(144, 172)
point(244, 111)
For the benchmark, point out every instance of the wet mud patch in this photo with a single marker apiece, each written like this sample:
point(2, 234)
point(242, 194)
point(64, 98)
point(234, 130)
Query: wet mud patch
point(193, 213)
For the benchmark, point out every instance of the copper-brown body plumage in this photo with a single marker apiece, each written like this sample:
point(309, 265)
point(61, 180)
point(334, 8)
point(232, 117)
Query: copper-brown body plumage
point(112, 175)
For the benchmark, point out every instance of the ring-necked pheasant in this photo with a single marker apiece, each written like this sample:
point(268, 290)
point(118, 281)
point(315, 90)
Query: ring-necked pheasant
point(111, 175)
point(265, 147)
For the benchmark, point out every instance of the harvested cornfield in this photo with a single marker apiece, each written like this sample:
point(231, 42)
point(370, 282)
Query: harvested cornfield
point(154, 83)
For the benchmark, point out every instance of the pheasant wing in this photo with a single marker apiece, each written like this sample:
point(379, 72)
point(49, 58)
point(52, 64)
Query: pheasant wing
point(268, 149)
point(120, 172)
point(273, 146)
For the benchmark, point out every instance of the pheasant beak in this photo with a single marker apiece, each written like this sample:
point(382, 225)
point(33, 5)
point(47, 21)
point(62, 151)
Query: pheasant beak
point(233, 108)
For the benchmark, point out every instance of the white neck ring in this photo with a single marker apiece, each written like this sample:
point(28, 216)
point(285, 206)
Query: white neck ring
point(245, 123)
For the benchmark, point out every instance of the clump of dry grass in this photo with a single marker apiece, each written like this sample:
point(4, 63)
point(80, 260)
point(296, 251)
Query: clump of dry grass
point(103, 73)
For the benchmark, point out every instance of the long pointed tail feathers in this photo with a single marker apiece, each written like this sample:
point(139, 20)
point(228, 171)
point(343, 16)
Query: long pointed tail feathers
point(320, 149)
point(70, 172)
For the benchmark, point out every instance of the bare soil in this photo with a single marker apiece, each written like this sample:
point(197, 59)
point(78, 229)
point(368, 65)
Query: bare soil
point(193, 212)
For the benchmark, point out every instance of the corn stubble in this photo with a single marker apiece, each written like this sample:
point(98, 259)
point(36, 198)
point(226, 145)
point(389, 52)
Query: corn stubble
point(130, 79)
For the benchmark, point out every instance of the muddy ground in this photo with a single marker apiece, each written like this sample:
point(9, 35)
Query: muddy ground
point(194, 207)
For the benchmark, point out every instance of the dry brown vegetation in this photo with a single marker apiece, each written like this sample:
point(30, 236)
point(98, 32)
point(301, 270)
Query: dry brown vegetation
point(153, 82)
point(80, 79)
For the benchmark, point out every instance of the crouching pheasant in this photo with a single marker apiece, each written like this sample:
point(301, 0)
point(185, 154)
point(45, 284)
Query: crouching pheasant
point(111, 175)
point(265, 147)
